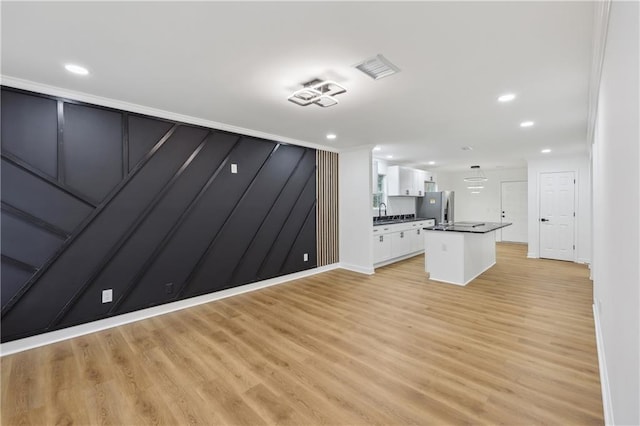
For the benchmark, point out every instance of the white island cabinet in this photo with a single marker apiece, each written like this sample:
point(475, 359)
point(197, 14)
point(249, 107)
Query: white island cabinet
point(458, 253)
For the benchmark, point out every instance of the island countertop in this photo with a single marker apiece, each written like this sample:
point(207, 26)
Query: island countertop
point(472, 227)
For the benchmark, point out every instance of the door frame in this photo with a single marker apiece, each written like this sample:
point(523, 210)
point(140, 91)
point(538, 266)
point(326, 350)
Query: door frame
point(575, 205)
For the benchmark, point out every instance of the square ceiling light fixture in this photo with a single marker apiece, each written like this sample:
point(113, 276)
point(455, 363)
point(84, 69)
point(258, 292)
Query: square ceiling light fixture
point(317, 92)
point(377, 67)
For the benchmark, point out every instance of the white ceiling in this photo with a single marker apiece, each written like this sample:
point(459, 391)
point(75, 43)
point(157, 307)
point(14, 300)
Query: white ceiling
point(236, 63)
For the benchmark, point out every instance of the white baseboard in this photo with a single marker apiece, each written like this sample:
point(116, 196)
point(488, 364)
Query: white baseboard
point(357, 268)
point(532, 256)
point(103, 324)
point(604, 376)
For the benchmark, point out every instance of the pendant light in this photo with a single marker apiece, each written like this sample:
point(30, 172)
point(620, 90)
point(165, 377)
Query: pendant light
point(476, 175)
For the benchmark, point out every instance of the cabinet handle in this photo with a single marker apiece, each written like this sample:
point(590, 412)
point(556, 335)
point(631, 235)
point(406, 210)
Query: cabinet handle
point(381, 238)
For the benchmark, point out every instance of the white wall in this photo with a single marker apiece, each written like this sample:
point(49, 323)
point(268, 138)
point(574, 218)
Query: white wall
point(581, 168)
point(485, 206)
point(616, 218)
point(355, 201)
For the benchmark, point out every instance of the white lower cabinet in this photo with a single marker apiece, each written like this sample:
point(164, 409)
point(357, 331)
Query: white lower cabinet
point(397, 241)
point(415, 236)
point(400, 243)
point(381, 248)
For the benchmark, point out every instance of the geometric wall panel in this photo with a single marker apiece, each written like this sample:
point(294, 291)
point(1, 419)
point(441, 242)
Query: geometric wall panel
point(30, 130)
point(147, 207)
point(143, 133)
point(92, 149)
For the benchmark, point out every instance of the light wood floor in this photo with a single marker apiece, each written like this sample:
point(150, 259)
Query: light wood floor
point(516, 346)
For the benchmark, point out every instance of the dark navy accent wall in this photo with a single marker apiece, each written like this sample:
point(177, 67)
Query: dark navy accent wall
point(95, 198)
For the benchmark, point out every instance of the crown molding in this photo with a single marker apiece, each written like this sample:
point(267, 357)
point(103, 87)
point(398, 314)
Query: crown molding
point(600, 27)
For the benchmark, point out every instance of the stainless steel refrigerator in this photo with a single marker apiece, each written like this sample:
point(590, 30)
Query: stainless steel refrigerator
point(436, 205)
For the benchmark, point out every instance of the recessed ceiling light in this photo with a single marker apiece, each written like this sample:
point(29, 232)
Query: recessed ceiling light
point(431, 163)
point(507, 97)
point(76, 69)
point(545, 151)
point(475, 187)
point(389, 156)
point(331, 136)
point(467, 148)
point(377, 148)
point(526, 124)
point(475, 192)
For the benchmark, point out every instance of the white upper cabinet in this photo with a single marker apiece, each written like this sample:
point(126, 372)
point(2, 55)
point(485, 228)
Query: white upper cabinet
point(404, 181)
point(419, 177)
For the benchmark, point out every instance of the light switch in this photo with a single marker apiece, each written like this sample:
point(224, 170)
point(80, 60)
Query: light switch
point(234, 168)
point(306, 257)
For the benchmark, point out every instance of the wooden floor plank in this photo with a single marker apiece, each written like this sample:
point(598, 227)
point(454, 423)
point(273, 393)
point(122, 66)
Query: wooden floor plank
point(515, 346)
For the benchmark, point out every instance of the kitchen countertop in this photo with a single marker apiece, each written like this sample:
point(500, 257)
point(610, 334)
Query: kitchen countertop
point(396, 221)
point(472, 227)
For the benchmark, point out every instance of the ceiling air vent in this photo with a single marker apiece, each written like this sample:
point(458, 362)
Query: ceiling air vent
point(377, 67)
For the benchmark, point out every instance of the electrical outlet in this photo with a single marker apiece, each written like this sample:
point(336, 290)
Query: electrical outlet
point(107, 295)
point(306, 257)
point(234, 168)
point(168, 288)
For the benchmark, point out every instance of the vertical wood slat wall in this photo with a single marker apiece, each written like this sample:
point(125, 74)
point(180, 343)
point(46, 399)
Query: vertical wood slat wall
point(327, 214)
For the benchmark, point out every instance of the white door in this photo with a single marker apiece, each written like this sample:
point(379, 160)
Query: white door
point(557, 215)
point(514, 210)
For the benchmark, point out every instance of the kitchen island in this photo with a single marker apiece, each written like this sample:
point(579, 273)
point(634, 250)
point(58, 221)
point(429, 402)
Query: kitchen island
point(458, 253)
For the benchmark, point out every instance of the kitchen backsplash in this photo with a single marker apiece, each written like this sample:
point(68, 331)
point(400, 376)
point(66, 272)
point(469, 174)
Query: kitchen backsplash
point(398, 205)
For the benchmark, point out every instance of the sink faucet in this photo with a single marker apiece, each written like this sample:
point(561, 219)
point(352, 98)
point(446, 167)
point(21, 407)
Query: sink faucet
point(380, 209)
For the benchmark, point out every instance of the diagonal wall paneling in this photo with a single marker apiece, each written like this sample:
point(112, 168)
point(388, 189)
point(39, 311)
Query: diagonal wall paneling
point(95, 198)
